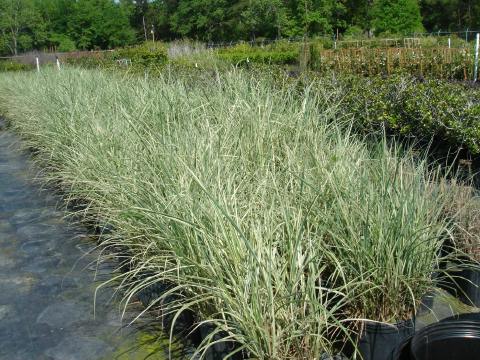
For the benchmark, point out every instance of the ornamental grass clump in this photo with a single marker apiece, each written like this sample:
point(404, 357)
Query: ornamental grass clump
point(202, 181)
point(248, 196)
point(384, 231)
point(465, 212)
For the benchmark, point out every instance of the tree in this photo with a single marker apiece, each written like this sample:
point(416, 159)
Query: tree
point(100, 24)
point(17, 21)
point(159, 14)
point(396, 17)
point(138, 12)
point(203, 19)
point(266, 18)
point(450, 14)
point(313, 17)
point(54, 31)
point(357, 13)
point(87, 24)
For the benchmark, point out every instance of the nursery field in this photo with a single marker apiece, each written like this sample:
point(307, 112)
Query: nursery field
point(441, 63)
point(278, 210)
point(434, 59)
point(428, 57)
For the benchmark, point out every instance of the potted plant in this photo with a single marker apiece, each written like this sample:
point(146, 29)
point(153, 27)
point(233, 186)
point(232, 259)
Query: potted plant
point(385, 227)
point(464, 273)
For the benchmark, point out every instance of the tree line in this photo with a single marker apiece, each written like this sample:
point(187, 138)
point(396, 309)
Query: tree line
point(66, 25)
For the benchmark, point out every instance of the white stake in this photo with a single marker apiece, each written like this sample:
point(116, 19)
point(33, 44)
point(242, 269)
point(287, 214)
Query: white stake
point(449, 43)
point(38, 63)
point(58, 64)
point(477, 45)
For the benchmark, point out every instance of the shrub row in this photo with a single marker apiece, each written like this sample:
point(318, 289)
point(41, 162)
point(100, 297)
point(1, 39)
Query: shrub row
point(146, 55)
point(431, 62)
point(155, 55)
point(440, 63)
point(103, 61)
point(447, 112)
point(280, 53)
point(8, 65)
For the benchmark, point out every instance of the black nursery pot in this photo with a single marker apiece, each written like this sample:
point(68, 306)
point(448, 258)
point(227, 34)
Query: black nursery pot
point(185, 325)
point(451, 339)
point(222, 349)
point(468, 284)
point(463, 281)
point(384, 342)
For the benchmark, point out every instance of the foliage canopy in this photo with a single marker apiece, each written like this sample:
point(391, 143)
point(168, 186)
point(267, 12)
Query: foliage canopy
point(66, 25)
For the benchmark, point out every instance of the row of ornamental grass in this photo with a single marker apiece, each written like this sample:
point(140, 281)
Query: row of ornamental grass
point(249, 195)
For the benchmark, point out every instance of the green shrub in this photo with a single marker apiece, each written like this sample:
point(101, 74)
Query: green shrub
point(205, 60)
point(63, 43)
point(93, 61)
point(354, 32)
point(8, 65)
point(448, 112)
point(322, 42)
point(146, 55)
point(280, 53)
point(436, 41)
point(137, 58)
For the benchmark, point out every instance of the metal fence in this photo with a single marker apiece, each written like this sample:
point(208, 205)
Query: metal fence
point(445, 38)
